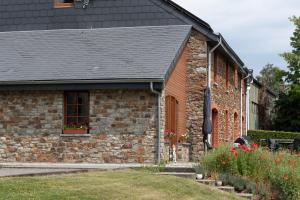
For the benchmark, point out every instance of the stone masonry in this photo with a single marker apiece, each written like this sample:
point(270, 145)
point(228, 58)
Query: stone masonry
point(226, 98)
point(122, 128)
point(196, 83)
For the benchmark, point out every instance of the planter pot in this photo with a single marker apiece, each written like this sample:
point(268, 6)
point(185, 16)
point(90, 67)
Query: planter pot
point(218, 183)
point(199, 176)
point(75, 131)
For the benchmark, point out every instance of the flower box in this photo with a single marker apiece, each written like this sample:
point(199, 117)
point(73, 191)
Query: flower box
point(75, 131)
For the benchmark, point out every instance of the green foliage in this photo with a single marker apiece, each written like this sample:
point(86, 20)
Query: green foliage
point(293, 58)
point(288, 105)
point(288, 110)
point(257, 135)
point(279, 171)
point(271, 77)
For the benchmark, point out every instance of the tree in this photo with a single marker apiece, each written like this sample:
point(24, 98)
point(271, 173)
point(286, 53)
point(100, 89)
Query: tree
point(272, 77)
point(288, 104)
point(293, 58)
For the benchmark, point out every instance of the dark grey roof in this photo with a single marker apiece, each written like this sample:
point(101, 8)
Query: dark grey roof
point(95, 54)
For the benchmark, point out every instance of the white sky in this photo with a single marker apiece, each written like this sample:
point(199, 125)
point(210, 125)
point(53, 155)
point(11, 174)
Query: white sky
point(258, 30)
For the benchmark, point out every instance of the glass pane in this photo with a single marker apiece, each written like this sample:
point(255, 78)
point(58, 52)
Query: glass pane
point(71, 97)
point(83, 98)
point(84, 121)
point(83, 110)
point(71, 121)
point(72, 110)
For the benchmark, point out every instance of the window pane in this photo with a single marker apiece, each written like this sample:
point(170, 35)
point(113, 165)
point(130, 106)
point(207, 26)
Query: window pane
point(71, 97)
point(72, 110)
point(83, 120)
point(83, 110)
point(71, 121)
point(83, 98)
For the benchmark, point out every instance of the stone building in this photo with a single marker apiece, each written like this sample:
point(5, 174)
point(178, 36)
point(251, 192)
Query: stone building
point(100, 81)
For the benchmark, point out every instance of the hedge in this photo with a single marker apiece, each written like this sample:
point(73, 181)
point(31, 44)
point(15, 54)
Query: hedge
point(256, 135)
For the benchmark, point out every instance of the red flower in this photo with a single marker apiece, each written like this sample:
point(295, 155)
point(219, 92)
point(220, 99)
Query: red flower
point(235, 153)
point(254, 146)
point(232, 150)
point(243, 147)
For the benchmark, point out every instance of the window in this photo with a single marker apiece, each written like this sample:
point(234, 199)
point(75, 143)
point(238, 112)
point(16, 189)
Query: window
point(215, 67)
point(63, 3)
point(76, 109)
point(171, 114)
point(227, 75)
point(254, 108)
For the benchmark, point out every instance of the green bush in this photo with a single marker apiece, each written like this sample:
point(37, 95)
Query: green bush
point(279, 171)
point(257, 135)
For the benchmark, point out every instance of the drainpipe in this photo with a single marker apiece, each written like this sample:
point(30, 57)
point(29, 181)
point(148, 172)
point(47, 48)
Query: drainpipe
point(210, 62)
point(248, 107)
point(158, 122)
point(241, 109)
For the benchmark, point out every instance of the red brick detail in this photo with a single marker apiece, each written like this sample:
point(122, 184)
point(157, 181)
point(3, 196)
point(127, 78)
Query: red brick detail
point(215, 68)
point(227, 75)
point(236, 81)
point(176, 87)
point(226, 136)
point(215, 127)
point(235, 126)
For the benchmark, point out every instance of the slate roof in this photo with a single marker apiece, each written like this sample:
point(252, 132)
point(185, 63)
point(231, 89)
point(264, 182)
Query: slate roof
point(90, 54)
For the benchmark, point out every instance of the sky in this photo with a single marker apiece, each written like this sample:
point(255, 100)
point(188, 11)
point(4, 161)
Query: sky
point(257, 30)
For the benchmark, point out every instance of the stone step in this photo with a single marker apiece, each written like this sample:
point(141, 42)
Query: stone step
point(179, 169)
point(226, 188)
point(179, 174)
point(245, 195)
point(206, 181)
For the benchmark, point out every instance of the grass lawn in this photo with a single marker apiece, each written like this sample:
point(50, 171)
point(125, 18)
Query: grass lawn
point(125, 184)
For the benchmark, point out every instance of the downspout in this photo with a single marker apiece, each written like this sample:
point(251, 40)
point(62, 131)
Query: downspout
point(248, 107)
point(210, 62)
point(241, 109)
point(158, 122)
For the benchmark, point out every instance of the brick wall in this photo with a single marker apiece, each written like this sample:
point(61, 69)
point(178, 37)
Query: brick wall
point(123, 128)
point(176, 87)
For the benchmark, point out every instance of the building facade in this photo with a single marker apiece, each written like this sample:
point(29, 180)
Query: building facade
point(262, 103)
point(100, 82)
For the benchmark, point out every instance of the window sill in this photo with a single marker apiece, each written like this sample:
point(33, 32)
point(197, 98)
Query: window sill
point(75, 135)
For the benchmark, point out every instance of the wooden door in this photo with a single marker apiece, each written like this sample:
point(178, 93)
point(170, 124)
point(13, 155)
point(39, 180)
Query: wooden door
point(171, 115)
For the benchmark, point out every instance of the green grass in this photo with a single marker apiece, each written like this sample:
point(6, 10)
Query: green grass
point(125, 184)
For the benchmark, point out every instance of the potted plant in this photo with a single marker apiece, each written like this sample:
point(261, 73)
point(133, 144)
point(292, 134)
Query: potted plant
point(75, 128)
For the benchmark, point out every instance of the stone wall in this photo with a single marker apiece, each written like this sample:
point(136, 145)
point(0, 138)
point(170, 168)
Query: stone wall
point(196, 83)
point(122, 127)
point(226, 98)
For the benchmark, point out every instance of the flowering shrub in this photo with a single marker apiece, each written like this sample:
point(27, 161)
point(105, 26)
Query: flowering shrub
point(169, 135)
point(280, 170)
point(78, 125)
